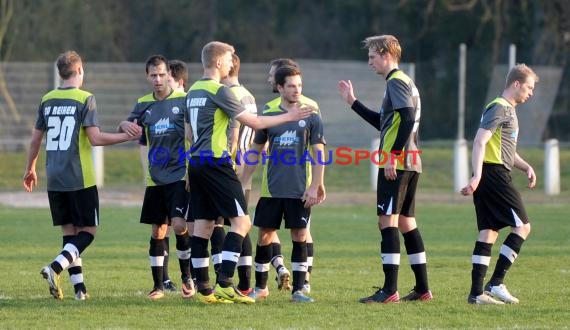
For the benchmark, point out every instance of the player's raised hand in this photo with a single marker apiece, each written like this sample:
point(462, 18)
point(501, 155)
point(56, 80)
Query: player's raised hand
point(346, 91)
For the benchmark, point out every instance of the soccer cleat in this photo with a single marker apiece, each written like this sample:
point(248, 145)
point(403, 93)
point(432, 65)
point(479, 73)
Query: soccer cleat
point(416, 296)
point(306, 288)
point(54, 282)
point(381, 297)
point(187, 289)
point(169, 286)
point(283, 279)
point(299, 296)
point(211, 299)
point(483, 299)
point(156, 294)
point(501, 293)
point(247, 292)
point(259, 294)
point(80, 295)
point(232, 294)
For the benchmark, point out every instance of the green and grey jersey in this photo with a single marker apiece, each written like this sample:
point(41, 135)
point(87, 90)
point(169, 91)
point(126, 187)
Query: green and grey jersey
point(500, 118)
point(245, 135)
point(401, 92)
point(287, 173)
point(304, 101)
point(163, 124)
point(64, 113)
point(211, 106)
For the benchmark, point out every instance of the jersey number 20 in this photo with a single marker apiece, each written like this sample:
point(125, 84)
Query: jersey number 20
point(59, 133)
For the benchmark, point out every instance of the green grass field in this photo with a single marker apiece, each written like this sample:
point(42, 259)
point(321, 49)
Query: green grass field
point(347, 266)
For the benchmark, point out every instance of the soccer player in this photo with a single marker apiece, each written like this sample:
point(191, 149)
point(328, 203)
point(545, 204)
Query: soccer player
point(214, 187)
point(289, 189)
point(69, 117)
point(398, 122)
point(283, 275)
point(241, 139)
point(161, 113)
point(497, 203)
point(177, 80)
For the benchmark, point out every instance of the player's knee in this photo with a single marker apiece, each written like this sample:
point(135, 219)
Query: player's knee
point(179, 228)
point(488, 236)
point(265, 236)
point(159, 231)
point(526, 229)
point(523, 231)
point(299, 234)
point(242, 227)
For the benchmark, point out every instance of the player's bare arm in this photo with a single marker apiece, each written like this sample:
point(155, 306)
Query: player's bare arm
point(98, 138)
point(311, 195)
point(252, 158)
point(189, 142)
point(483, 136)
point(30, 179)
point(260, 122)
point(522, 165)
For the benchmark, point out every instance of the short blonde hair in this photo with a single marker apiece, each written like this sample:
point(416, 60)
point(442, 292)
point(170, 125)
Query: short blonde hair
point(520, 73)
point(213, 50)
point(384, 44)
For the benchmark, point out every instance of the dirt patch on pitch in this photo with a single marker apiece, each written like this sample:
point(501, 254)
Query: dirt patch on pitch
point(134, 198)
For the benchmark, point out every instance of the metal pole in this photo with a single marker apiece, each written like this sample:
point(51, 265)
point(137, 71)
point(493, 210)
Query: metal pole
point(56, 81)
point(551, 167)
point(461, 158)
point(412, 72)
point(98, 165)
point(374, 145)
point(512, 55)
point(461, 92)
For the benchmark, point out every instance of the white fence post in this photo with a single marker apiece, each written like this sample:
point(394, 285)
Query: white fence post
point(373, 167)
point(551, 167)
point(98, 165)
point(460, 157)
point(460, 165)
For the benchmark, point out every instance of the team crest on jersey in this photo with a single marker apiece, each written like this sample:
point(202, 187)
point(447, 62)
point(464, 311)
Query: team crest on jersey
point(302, 123)
point(288, 138)
point(175, 110)
point(161, 126)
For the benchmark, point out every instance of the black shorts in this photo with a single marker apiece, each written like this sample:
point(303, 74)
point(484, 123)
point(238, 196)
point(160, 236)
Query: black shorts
point(164, 202)
point(215, 190)
point(397, 196)
point(270, 211)
point(79, 208)
point(497, 203)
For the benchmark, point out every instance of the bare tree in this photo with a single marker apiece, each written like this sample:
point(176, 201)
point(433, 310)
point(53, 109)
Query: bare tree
point(6, 13)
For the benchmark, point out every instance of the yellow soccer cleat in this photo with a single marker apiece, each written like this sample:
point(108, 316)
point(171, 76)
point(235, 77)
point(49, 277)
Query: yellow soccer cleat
point(211, 299)
point(232, 294)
